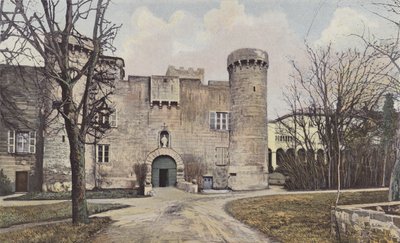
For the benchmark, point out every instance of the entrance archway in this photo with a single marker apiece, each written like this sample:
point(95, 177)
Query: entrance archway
point(163, 172)
point(152, 156)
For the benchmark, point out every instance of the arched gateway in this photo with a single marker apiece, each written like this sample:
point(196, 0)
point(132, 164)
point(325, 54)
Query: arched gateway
point(164, 167)
point(163, 172)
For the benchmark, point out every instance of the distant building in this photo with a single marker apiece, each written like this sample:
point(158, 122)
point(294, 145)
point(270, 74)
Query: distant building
point(287, 137)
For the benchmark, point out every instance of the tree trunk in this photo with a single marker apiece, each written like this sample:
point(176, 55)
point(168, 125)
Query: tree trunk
point(37, 185)
point(39, 159)
point(394, 188)
point(77, 158)
point(329, 172)
point(384, 165)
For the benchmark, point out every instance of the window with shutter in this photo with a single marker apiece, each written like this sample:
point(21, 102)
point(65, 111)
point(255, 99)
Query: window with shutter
point(113, 119)
point(32, 142)
point(229, 123)
point(11, 142)
point(104, 120)
point(212, 120)
point(21, 142)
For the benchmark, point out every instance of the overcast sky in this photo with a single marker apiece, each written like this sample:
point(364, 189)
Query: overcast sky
point(202, 33)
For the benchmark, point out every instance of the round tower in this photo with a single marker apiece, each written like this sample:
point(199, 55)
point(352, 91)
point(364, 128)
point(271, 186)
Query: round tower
point(248, 125)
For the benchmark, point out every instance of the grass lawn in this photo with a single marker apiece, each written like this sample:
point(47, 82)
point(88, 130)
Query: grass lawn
point(29, 214)
point(61, 232)
point(97, 194)
point(296, 218)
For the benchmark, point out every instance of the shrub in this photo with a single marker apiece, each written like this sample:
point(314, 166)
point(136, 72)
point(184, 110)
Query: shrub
point(303, 173)
point(194, 170)
point(141, 173)
point(5, 184)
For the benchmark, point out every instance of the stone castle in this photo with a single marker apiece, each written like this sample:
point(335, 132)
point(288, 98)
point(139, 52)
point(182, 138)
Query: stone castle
point(170, 122)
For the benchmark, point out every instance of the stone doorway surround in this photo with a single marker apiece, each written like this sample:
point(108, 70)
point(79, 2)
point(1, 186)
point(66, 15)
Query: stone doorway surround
point(167, 152)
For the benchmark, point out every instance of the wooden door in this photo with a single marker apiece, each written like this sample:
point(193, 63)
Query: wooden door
point(163, 177)
point(163, 172)
point(21, 181)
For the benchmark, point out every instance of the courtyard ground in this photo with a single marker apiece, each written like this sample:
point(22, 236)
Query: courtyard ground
point(49, 223)
point(175, 216)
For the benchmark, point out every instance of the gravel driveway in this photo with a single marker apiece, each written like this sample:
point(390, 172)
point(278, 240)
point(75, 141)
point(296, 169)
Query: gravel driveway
point(175, 216)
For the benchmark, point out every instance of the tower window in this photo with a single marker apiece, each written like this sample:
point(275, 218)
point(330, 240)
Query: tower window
point(254, 88)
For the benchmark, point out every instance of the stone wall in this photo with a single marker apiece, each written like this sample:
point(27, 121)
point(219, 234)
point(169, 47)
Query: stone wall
point(188, 187)
point(23, 87)
point(139, 125)
point(56, 163)
point(357, 224)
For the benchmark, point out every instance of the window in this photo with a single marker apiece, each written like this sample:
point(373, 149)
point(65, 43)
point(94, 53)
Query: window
point(219, 120)
point(21, 142)
point(108, 119)
point(113, 119)
point(284, 138)
point(103, 155)
point(104, 119)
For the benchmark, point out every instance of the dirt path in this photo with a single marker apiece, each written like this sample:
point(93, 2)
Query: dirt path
point(175, 216)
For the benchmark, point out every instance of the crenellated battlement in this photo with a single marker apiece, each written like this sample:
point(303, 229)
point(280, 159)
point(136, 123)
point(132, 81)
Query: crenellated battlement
point(247, 58)
point(182, 72)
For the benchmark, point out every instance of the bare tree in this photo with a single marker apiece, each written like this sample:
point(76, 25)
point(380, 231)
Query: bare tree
point(338, 92)
point(45, 33)
point(389, 124)
point(388, 48)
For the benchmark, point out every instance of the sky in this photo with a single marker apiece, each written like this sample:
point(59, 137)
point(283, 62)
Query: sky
point(202, 33)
